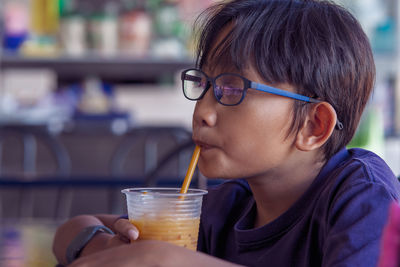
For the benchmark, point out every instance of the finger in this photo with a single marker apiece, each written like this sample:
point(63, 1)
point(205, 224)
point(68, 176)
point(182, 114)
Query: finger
point(126, 229)
point(117, 240)
point(123, 238)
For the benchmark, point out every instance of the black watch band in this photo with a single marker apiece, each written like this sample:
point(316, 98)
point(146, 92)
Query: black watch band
point(81, 240)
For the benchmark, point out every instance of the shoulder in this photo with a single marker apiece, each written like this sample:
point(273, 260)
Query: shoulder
point(353, 206)
point(364, 167)
point(355, 174)
point(359, 185)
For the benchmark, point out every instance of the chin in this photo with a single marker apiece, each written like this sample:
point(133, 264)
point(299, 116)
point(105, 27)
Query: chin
point(212, 172)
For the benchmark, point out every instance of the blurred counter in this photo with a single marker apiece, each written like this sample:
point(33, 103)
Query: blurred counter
point(27, 243)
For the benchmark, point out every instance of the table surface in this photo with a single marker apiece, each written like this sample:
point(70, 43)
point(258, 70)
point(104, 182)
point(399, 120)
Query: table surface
point(27, 243)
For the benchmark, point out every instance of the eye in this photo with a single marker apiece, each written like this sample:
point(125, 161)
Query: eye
point(231, 90)
point(202, 84)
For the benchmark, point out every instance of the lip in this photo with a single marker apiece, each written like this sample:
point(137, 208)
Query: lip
point(204, 145)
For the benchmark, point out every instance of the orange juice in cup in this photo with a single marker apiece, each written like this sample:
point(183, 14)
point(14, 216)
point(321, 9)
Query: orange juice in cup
point(181, 232)
point(166, 214)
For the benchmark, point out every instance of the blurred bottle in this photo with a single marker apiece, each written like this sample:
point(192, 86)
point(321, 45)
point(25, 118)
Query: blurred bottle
point(135, 30)
point(16, 19)
point(103, 30)
point(44, 28)
point(45, 16)
point(170, 30)
point(72, 32)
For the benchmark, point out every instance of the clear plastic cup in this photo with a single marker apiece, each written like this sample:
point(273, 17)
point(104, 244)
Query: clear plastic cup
point(165, 214)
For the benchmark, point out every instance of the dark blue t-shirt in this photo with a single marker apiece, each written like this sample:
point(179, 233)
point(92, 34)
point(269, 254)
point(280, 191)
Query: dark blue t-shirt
point(338, 221)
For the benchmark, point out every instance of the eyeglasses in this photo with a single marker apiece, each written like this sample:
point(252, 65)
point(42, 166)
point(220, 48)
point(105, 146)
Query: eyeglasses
point(230, 88)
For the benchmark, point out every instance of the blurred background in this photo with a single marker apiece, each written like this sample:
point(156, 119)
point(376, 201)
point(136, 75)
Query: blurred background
point(90, 99)
point(90, 103)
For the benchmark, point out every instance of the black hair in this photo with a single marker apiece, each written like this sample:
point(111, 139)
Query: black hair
point(318, 47)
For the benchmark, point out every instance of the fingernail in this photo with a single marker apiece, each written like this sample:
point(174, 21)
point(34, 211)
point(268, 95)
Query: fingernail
point(133, 235)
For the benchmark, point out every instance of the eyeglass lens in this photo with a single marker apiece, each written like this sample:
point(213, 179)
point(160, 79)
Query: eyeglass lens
point(228, 88)
point(194, 84)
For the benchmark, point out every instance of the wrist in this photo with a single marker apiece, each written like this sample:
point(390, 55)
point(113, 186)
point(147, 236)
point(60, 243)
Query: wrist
point(97, 243)
point(84, 237)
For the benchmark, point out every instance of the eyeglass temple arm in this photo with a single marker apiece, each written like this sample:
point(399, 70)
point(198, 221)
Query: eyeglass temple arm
point(276, 91)
point(189, 77)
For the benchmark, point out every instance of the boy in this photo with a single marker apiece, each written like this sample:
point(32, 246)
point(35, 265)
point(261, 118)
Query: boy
point(280, 87)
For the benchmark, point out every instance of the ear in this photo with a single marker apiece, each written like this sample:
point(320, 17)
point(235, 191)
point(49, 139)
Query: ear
point(317, 128)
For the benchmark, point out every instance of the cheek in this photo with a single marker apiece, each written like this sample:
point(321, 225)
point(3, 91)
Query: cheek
point(244, 152)
point(253, 141)
point(267, 124)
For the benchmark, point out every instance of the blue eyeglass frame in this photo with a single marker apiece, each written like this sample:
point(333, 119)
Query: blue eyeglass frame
point(247, 84)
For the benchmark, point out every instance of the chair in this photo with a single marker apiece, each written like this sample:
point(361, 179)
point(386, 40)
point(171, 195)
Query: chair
point(30, 153)
point(142, 151)
point(33, 142)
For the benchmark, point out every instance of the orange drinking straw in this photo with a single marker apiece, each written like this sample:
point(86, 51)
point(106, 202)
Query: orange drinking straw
point(190, 171)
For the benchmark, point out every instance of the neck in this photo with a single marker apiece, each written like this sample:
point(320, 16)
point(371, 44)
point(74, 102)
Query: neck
point(275, 192)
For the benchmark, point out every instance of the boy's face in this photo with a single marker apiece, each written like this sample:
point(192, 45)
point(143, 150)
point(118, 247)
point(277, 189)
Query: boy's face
point(246, 140)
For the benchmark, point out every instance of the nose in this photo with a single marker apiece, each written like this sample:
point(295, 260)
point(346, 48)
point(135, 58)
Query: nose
point(205, 113)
